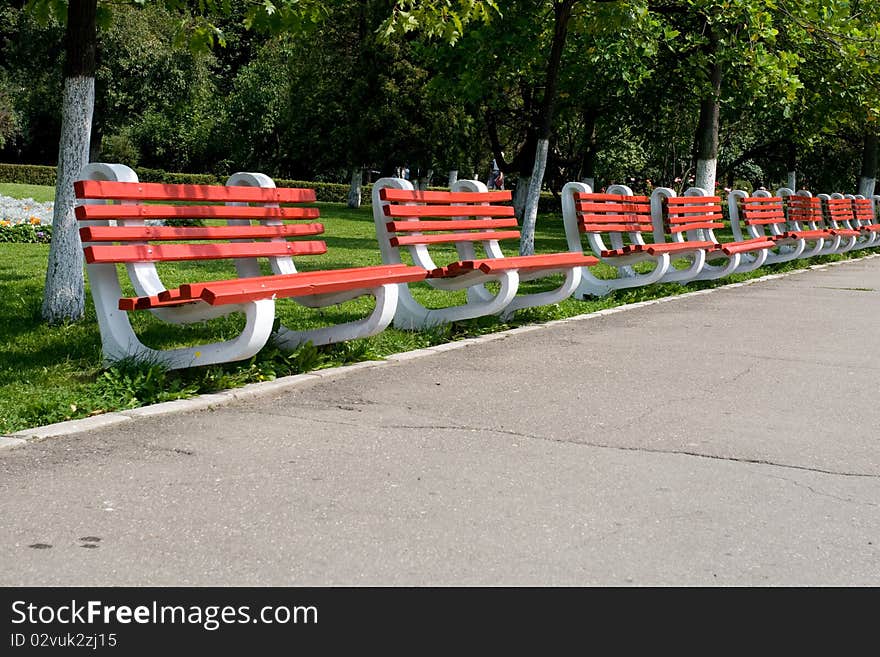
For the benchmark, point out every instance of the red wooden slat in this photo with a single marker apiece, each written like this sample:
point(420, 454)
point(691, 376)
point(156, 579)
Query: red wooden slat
point(694, 210)
point(765, 222)
point(95, 189)
point(681, 227)
point(149, 233)
point(761, 200)
point(408, 240)
point(845, 232)
point(590, 227)
point(643, 208)
point(298, 285)
point(691, 200)
point(194, 290)
point(473, 224)
point(552, 261)
point(615, 218)
point(808, 234)
point(160, 252)
point(102, 211)
point(402, 195)
point(145, 303)
point(731, 248)
point(448, 211)
point(611, 197)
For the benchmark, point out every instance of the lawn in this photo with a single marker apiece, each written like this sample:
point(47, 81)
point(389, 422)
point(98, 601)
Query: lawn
point(50, 374)
point(39, 193)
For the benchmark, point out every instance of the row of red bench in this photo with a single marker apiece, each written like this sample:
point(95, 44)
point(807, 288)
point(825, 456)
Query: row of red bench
point(115, 208)
point(623, 229)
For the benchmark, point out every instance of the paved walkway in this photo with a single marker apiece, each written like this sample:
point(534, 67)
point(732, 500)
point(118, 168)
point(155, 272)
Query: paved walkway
point(728, 438)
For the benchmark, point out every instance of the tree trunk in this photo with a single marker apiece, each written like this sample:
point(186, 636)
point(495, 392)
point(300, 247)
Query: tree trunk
point(561, 16)
point(519, 196)
point(868, 177)
point(791, 166)
point(588, 165)
point(706, 156)
point(64, 296)
point(354, 191)
point(453, 177)
point(530, 217)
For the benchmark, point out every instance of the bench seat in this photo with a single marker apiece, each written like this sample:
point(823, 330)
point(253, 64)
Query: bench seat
point(655, 249)
point(241, 290)
point(522, 263)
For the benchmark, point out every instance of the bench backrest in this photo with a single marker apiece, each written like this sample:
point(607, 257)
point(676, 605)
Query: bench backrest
point(762, 211)
point(692, 217)
point(610, 220)
point(863, 211)
point(803, 212)
point(133, 203)
point(838, 212)
point(418, 219)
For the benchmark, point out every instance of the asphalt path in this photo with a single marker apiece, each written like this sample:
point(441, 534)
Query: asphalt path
point(727, 438)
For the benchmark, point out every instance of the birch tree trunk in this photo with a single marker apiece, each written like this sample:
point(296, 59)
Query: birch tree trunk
point(791, 165)
point(64, 295)
point(530, 216)
point(562, 10)
point(706, 142)
point(868, 176)
point(354, 191)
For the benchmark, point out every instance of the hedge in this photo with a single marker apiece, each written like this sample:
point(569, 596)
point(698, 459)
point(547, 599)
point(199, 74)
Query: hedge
point(28, 174)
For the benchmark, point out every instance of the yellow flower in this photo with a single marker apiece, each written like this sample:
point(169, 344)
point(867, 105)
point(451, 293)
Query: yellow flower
point(35, 220)
point(4, 222)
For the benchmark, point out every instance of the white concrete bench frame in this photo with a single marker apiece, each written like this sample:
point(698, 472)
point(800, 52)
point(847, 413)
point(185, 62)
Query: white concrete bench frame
point(472, 271)
point(620, 244)
point(837, 217)
point(761, 215)
point(119, 340)
point(741, 256)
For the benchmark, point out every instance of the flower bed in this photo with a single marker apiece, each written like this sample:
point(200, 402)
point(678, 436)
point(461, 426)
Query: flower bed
point(25, 221)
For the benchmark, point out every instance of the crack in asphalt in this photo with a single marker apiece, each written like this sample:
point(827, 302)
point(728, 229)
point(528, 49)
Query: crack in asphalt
point(646, 450)
point(824, 494)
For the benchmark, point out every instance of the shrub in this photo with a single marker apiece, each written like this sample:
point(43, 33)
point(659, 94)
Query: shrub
point(27, 174)
point(327, 192)
point(120, 147)
point(160, 176)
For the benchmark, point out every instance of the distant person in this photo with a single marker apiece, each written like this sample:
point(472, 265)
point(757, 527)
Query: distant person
point(497, 180)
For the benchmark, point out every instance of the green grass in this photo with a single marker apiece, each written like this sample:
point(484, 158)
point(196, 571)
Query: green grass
point(40, 193)
point(50, 374)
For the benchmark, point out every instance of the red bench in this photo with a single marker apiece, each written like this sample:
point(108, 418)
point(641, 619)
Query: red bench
point(763, 216)
point(695, 217)
point(865, 221)
point(838, 215)
point(615, 224)
point(255, 213)
point(467, 218)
